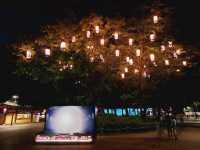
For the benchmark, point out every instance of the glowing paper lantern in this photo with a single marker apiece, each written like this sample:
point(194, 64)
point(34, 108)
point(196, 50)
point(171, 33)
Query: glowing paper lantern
point(138, 52)
point(63, 45)
point(162, 48)
point(126, 69)
point(152, 57)
point(130, 61)
point(184, 63)
point(152, 37)
point(166, 62)
point(97, 29)
point(28, 54)
point(136, 71)
point(130, 41)
point(170, 44)
point(117, 53)
point(88, 34)
point(155, 19)
point(47, 52)
point(127, 59)
point(73, 39)
point(116, 36)
point(122, 75)
point(102, 42)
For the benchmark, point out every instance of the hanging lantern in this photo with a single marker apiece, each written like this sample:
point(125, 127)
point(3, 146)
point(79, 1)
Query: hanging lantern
point(116, 36)
point(28, 54)
point(184, 63)
point(88, 34)
point(47, 52)
point(145, 74)
point(117, 53)
point(166, 62)
point(178, 52)
point(170, 44)
point(97, 29)
point(130, 61)
point(102, 42)
point(63, 45)
point(127, 59)
point(152, 37)
point(162, 48)
point(122, 75)
point(155, 19)
point(130, 41)
point(152, 57)
point(73, 39)
point(138, 52)
point(126, 69)
point(136, 71)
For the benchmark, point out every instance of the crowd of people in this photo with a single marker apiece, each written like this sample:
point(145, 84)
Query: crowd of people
point(167, 122)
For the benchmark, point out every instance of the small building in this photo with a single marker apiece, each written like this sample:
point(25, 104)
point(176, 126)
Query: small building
point(12, 113)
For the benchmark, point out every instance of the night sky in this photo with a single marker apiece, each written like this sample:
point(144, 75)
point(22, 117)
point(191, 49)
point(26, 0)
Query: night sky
point(25, 17)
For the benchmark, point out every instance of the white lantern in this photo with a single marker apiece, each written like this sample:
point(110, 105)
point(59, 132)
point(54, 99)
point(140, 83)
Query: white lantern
point(47, 52)
point(127, 59)
point(88, 34)
point(152, 57)
point(155, 19)
point(126, 69)
point(162, 48)
point(136, 71)
point(170, 44)
point(63, 45)
point(97, 29)
point(166, 62)
point(117, 53)
point(152, 37)
point(116, 36)
point(122, 75)
point(130, 41)
point(130, 61)
point(138, 52)
point(184, 63)
point(28, 54)
point(178, 52)
point(102, 42)
point(73, 39)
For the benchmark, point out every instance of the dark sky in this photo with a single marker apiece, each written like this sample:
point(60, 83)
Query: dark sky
point(25, 17)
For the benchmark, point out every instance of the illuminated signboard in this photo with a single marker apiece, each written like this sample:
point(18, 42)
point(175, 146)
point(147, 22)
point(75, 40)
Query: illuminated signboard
point(68, 124)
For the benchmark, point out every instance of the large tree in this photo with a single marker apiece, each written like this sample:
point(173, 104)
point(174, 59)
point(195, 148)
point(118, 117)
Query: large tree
point(99, 59)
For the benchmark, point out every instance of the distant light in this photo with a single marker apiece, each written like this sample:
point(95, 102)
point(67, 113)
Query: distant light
point(15, 96)
point(88, 34)
point(71, 66)
point(97, 29)
point(130, 41)
point(166, 62)
point(28, 54)
point(116, 36)
point(127, 59)
point(117, 53)
point(178, 70)
point(184, 63)
point(152, 57)
point(155, 19)
point(145, 74)
point(4, 110)
point(63, 45)
point(138, 53)
point(91, 59)
point(178, 52)
point(175, 55)
point(47, 52)
point(102, 42)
